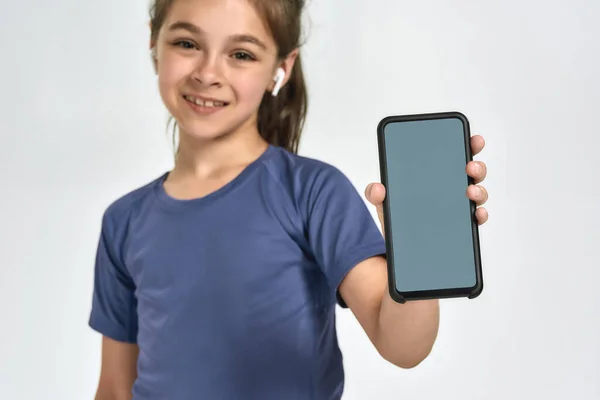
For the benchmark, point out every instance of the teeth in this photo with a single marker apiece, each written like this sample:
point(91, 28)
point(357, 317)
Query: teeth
point(207, 103)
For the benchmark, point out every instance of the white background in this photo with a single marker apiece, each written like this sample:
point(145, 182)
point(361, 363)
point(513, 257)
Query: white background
point(82, 123)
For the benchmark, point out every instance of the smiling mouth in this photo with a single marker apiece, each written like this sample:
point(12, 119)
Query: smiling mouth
point(205, 103)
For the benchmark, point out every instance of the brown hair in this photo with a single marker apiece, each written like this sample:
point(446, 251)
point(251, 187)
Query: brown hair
point(280, 118)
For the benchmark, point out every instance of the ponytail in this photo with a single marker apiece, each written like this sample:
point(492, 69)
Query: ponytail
point(281, 118)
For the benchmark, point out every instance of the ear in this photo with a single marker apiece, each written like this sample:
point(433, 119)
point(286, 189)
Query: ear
point(287, 65)
point(152, 49)
point(151, 42)
point(153, 58)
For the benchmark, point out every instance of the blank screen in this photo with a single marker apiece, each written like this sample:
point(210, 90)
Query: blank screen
point(432, 238)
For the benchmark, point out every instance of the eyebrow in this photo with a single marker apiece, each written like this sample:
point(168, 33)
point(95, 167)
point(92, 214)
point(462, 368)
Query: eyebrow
point(240, 38)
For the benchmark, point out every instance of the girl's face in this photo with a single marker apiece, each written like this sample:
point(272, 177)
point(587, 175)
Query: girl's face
point(215, 60)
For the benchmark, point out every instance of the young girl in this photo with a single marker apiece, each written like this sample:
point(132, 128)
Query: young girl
point(219, 279)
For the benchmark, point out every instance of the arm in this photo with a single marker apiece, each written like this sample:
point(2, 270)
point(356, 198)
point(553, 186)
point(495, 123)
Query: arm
point(403, 334)
point(114, 315)
point(118, 371)
point(350, 249)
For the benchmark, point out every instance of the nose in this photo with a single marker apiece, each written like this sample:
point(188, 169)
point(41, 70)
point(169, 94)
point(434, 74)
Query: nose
point(208, 71)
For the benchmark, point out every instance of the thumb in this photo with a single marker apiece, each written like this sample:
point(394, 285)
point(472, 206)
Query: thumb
point(375, 194)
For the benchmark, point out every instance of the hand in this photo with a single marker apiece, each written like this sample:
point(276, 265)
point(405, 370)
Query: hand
point(375, 192)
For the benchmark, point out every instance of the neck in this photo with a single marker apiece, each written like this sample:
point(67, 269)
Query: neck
point(201, 158)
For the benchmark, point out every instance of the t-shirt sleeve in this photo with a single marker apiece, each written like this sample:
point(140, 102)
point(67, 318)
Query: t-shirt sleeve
point(341, 230)
point(114, 305)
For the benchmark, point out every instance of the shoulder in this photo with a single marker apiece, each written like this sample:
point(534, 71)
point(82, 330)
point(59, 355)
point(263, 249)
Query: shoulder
point(306, 177)
point(120, 210)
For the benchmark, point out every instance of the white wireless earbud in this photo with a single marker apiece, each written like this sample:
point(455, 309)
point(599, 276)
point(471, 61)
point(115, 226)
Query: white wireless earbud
point(278, 81)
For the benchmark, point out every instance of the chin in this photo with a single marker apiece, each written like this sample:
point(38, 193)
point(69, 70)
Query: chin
point(198, 126)
point(202, 130)
point(211, 127)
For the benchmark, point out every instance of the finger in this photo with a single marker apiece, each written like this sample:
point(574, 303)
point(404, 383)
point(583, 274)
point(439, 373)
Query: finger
point(477, 144)
point(375, 193)
point(477, 170)
point(482, 215)
point(478, 194)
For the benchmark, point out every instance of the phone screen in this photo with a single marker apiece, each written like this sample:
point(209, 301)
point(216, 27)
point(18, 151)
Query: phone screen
point(431, 231)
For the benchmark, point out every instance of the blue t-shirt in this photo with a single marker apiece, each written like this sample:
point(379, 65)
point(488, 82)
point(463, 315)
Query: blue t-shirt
point(233, 295)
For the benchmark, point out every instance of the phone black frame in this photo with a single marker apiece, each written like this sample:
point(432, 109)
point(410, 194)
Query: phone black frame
point(403, 297)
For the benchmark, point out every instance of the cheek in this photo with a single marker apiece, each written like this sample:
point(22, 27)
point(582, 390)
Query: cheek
point(171, 73)
point(250, 89)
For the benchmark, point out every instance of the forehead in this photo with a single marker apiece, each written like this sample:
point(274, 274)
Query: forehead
point(220, 18)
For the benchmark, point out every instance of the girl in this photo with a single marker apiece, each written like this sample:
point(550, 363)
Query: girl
point(219, 279)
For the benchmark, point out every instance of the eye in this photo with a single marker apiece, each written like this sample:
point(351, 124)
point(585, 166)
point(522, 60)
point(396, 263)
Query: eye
point(243, 56)
point(185, 44)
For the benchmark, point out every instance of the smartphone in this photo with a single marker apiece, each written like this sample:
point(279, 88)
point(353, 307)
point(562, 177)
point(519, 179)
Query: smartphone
point(431, 231)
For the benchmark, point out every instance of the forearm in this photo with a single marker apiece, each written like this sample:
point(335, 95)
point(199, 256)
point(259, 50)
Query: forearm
point(406, 332)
